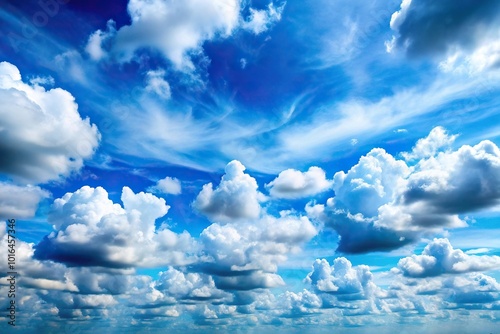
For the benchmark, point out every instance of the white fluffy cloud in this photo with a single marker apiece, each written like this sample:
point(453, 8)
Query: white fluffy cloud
point(156, 24)
point(438, 139)
point(260, 20)
point(458, 181)
point(382, 203)
point(168, 185)
point(439, 257)
point(341, 278)
point(19, 202)
point(175, 286)
point(235, 198)
point(91, 230)
point(301, 303)
point(246, 255)
point(43, 136)
point(292, 183)
point(171, 27)
point(245, 245)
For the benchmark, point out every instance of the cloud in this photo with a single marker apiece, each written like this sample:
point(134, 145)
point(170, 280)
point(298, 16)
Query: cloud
point(292, 183)
point(156, 83)
point(156, 24)
point(382, 203)
point(96, 40)
point(236, 197)
point(341, 278)
point(301, 303)
point(461, 181)
point(466, 30)
point(91, 230)
point(20, 202)
point(260, 20)
point(43, 135)
point(244, 246)
point(181, 286)
point(472, 289)
point(359, 194)
point(439, 257)
point(245, 255)
point(427, 147)
point(168, 185)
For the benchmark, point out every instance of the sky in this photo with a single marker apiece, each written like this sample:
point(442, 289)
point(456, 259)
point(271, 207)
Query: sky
point(240, 166)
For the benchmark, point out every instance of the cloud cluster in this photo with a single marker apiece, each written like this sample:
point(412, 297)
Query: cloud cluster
point(91, 230)
point(439, 257)
point(43, 136)
point(246, 255)
point(292, 183)
point(245, 244)
point(464, 30)
point(382, 203)
point(341, 278)
point(337, 291)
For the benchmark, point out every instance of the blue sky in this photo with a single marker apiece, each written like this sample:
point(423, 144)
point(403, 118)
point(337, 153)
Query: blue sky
point(251, 166)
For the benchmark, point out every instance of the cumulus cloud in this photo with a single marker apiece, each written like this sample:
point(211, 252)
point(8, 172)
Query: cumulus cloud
point(341, 278)
point(43, 137)
point(236, 197)
point(437, 140)
point(245, 244)
point(456, 182)
point(246, 255)
point(382, 203)
point(174, 286)
point(292, 183)
point(260, 20)
point(91, 230)
point(20, 201)
point(439, 257)
point(359, 193)
point(465, 29)
point(168, 185)
point(301, 303)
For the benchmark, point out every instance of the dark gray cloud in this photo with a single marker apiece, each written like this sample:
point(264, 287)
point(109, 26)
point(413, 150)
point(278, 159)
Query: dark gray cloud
point(426, 27)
